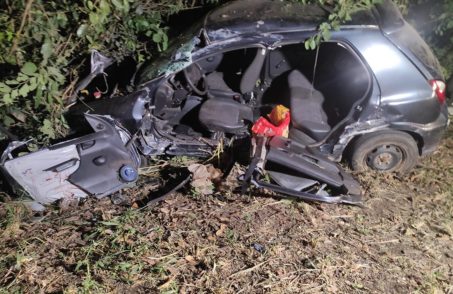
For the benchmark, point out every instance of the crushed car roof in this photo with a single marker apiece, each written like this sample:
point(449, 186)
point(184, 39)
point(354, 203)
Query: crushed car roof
point(251, 17)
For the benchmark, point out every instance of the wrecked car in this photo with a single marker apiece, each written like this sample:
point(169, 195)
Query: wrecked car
point(373, 94)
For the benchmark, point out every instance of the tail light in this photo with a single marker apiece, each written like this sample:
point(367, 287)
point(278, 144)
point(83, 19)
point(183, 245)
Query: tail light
point(439, 88)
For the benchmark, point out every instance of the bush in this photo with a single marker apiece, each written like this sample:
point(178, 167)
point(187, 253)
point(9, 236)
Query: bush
point(42, 42)
point(434, 20)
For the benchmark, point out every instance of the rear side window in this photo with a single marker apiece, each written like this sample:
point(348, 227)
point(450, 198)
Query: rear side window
point(408, 38)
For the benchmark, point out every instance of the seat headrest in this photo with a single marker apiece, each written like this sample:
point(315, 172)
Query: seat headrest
point(297, 80)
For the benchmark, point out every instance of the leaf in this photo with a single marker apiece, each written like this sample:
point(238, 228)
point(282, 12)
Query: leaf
point(104, 7)
point(33, 84)
point(47, 129)
point(94, 18)
point(81, 30)
point(312, 44)
point(55, 72)
point(38, 96)
point(21, 78)
point(90, 39)
point(9, 36)
point(4, 88)
point(7, 99)
point(62, 19)
point(8, 121)
point(118, 5)
point(46, 50)
point(164, 42)
point(29, 68)
point(326, 35)
point(19, 115)
point(190, 259)
point(14, 94)
point(157, 38)
point(221, 230)
point(11, 82)
point(126, 6)
point(24, 90)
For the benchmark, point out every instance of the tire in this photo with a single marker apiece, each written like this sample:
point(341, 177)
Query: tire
point(388, 151)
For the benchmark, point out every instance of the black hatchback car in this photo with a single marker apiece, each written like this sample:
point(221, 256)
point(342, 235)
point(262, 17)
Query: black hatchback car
point(373, 94)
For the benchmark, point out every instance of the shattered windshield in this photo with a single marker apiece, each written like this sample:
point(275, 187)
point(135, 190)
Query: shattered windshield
point(177, 56)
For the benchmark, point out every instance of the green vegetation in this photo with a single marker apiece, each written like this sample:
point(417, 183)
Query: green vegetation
point(434, 20)
point(341, 11)
point(43, 45)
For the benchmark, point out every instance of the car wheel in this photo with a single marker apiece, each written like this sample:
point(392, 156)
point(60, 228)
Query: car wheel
point(389, 151)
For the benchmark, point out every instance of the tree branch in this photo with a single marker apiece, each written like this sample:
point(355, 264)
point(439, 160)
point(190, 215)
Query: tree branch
point(22, 25)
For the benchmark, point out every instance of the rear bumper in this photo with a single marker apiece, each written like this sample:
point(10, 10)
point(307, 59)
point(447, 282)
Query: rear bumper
point(433, 137)
point(431, 134)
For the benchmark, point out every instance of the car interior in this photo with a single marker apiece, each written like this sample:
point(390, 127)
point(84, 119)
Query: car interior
point(228, 91)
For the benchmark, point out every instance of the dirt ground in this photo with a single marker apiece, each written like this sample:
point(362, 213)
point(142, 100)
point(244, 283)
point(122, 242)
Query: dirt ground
point(400, 242)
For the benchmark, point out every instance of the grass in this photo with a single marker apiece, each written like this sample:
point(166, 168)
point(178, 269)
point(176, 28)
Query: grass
point(400, 242)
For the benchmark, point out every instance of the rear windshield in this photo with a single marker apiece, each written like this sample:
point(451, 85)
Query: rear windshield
point(408, 38)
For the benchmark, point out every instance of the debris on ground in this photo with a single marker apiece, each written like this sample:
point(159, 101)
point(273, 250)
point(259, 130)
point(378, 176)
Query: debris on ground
point(399, 243)
point(204, 178)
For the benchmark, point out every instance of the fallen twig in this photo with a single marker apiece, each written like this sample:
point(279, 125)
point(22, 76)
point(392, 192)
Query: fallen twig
point(384, 242)
point(161, 257)
point(248, 270)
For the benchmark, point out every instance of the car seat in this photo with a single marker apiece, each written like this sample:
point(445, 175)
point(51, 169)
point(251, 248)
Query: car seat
point(307, 114)
point(221, 112)
point(217, 87)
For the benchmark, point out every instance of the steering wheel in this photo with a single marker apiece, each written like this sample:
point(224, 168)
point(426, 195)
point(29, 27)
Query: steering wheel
point(195, 76)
